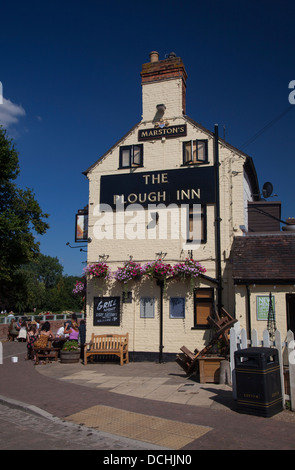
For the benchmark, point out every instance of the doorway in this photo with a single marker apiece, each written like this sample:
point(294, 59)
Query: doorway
point(290, 302)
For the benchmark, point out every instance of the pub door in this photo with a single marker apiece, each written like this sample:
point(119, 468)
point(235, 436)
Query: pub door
point(290, 302)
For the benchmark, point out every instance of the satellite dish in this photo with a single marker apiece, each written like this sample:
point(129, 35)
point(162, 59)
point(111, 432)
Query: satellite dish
point(267, 189)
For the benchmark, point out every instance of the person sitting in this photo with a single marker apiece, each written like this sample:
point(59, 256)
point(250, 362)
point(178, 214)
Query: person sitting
point(44, 336)
point(45, 330)
point(61, 332)
point(22, 334)
point(60, 337)
point(73, 331)
point(12, 330)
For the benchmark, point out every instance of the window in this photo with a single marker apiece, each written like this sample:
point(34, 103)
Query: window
point(195, 151)
point(204, 307)
point(194, 218)
point(147, 307)
point(131, 156)
point(177, 307)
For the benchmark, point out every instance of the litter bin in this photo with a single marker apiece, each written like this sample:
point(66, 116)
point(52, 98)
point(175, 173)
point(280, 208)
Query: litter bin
point(258, 381)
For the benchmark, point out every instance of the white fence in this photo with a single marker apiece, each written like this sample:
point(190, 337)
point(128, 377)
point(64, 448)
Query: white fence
point(59, 316)
point(286, 352)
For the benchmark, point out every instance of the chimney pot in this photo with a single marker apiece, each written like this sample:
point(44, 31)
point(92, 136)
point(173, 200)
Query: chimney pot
point(154, 56)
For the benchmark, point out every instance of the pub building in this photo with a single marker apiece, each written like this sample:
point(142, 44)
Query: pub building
point(170, 191)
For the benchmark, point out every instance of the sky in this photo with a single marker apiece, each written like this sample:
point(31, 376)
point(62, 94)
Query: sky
point(71, 88)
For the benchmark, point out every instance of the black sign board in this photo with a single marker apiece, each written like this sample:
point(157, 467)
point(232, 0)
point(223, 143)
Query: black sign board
point(106, 311)
point(194, 185)
point(159, 132)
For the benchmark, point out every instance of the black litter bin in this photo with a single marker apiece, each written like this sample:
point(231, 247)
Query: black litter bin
point(258, 381)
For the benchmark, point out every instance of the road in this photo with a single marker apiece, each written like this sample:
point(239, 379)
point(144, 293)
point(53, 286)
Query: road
point(27, 431)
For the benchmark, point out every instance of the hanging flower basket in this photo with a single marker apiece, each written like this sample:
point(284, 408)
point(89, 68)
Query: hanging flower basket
point(79, 288)
point(98, 271)
point(131, 271)
point(158, 270)
point(189, 269)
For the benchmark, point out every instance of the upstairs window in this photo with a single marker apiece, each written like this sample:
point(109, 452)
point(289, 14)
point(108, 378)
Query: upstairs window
point(202, 219)
point(195, 151)
point(131, 156)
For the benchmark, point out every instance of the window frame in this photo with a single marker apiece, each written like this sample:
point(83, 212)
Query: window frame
point(203, 222)
point(142, 307)
point(197, 160)
point(203, 300)
point(132, 163)
point(182, 317)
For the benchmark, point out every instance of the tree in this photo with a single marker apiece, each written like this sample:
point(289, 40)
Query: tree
point(20, 217)
point(45, 269)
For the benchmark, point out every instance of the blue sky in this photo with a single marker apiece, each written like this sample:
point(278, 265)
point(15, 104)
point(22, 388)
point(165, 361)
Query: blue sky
point(70, 72)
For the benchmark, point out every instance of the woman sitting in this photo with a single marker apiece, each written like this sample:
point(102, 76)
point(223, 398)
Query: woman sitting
point(72, 331)
point(44, 336)
point(45, 330)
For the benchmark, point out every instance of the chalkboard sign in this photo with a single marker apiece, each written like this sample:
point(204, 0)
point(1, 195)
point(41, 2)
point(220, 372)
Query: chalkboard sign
point(106, 311)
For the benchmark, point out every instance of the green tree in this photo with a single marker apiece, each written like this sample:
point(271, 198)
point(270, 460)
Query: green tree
point(45, 269)
point(20, 217)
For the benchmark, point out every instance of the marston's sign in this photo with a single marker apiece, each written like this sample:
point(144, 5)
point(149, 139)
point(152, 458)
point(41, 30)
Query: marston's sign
point(183, 186)
point(159, 132)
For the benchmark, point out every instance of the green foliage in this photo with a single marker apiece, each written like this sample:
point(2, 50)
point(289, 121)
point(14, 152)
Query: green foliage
point(45, 269)
point(28, 279)
point(71, 345)
point(20, 216)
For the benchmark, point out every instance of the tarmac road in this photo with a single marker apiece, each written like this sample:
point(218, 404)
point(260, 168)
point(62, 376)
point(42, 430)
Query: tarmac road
point(57, 398)
point(21, 430)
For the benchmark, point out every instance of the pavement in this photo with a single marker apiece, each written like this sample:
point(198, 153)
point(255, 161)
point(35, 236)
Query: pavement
point(151, 405)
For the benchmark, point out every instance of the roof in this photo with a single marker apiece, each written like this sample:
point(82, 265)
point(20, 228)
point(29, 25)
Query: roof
point(110, 149)
point(264, 258)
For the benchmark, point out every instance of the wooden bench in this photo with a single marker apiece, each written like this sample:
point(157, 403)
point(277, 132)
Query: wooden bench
point(107, 345)
point(46, 353)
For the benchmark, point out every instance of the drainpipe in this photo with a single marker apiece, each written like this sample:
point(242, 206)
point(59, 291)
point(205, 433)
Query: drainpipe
point(248, 310)
point(161, 284)
point(217, 221)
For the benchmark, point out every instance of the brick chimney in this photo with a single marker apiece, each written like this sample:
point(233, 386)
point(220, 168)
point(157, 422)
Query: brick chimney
point(163, 81)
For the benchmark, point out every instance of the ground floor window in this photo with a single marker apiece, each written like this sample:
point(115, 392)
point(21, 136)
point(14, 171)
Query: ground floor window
point(203, 306)
point(147, 307)
point(177, 307)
